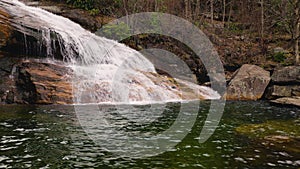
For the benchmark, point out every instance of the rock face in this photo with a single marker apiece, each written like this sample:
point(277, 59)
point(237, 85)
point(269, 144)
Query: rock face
point(285, 86)
point(5, 29)
point(32, 82)
point(43, 83)
point(248, 83)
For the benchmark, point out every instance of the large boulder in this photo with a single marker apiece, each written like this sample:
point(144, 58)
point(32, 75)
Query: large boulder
point(42, 83)
point(287, 75)
point(248, 83)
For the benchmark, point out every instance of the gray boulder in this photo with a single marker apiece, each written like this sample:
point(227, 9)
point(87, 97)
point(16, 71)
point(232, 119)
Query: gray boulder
point(287, 75)
point(248, 83)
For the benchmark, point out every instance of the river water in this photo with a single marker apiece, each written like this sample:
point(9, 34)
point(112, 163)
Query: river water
point(53, 137)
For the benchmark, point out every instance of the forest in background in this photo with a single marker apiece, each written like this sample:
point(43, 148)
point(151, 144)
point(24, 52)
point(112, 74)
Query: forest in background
point(267, 21)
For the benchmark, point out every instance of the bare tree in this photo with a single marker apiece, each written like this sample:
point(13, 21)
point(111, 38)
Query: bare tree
point(296, 5)
point(186, 5)
point(262, 18)
point(197, 9)
point(224, 12)
point(297, 44)
point(230, 10)
point(212, 10)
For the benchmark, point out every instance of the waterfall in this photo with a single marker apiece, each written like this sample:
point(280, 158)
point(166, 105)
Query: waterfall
point(104, 70)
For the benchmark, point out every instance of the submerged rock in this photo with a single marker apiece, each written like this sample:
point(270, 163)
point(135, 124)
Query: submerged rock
point(277, 134)
point(248, 83)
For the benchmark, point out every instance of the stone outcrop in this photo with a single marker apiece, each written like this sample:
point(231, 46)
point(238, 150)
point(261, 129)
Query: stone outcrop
point(35, 82)
point(277, 91)
point(248, 83)
point(285, 88)
point(31, 82)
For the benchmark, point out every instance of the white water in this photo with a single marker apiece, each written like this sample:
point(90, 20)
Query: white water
point(104, 70)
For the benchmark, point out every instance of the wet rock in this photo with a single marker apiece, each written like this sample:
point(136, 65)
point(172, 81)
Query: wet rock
point(43, 83)
point(248, 83)
point(82, 18)
point(287, 75)
point(10, 97)
point(5, 28)
point(53, 9)
point(184, 89)
point(6, 82)
point(293, 101)
point(34, 3)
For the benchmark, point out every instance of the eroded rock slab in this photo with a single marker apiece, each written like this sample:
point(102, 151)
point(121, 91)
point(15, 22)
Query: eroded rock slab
point(277, 91)
point(293, 101)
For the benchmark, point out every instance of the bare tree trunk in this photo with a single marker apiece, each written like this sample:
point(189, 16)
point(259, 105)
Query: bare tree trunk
point(262, 40)
point(262, 19)
point(230, 11)
point(197, 9)
point(212, 10)
point(125, 4)
point(186, 5)
point(297, 29)
point(156, 6)
point(297, 45)
point(190, 9)
point(224, 12)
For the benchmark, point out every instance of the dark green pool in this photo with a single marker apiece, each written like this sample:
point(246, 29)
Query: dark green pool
point(250, 135)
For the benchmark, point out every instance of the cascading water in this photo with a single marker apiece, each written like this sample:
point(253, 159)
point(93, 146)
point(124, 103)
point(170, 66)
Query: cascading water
point(99, 65)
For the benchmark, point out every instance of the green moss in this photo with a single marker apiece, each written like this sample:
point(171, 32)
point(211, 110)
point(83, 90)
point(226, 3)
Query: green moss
point(279, 135)
point(279, 57)
point(83, 4)
point(116, 31)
